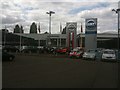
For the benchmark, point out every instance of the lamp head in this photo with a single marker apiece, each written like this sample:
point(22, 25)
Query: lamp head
point(113, 10)
point(47, 12)
point(52, 12)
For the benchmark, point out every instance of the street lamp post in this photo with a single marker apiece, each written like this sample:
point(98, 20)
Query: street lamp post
point(50, 13)
point(5, 36)
point(20, 39)
point(118, 12)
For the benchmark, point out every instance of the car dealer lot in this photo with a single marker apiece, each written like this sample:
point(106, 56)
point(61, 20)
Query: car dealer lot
point(58, 71)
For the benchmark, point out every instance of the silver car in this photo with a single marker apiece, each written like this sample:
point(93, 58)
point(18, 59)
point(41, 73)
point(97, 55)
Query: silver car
point(109, 55)
point(90, 54)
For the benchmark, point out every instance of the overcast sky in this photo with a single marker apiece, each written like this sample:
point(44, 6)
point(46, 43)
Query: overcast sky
point(24, 12)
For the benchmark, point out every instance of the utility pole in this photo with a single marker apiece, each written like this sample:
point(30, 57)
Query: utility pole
point(50, 13)
point(118, 13)
point(20, 38)
point(5, 36)
point(81, 36)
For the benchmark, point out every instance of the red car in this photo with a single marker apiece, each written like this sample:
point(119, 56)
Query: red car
point(76, 52)
point(62, 50)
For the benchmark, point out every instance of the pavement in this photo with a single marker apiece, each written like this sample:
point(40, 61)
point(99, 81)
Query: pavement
point(50, 71)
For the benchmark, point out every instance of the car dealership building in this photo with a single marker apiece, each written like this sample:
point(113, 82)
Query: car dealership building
point(104, 40)
point(89, 39)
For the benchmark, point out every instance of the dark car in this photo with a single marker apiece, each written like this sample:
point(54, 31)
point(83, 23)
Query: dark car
point(10, 49)
point(7, 56)
point(30, 49)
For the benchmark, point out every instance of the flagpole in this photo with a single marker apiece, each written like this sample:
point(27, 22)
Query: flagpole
point(39, 34)
point(5, 36)
point(81, 37)
point(20, 39)
point(60, 33)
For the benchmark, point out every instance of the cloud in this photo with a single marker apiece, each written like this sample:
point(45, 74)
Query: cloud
point(9, 20)
point(90, 6)
point(24, 12)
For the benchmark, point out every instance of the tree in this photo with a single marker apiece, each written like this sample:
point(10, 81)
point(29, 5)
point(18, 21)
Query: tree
point(17, 29)
point(21, 29)
point(33, 28)
point(64, 31)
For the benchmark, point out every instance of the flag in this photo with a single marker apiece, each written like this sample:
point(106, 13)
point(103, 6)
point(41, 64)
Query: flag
point(39, 27)
point(81, 28)
point(60, 28)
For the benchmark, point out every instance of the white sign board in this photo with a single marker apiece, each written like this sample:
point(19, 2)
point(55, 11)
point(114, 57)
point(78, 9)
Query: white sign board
point(119, 4)
point(119, 13)
point(119, 19)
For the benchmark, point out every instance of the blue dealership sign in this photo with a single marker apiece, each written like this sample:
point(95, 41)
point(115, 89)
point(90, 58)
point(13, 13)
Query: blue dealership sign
point(91, 26)
point(91, 33)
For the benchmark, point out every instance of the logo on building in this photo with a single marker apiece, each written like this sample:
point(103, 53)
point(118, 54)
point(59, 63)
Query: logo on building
point(90, 24)
point(71, 26)
point(71, 32)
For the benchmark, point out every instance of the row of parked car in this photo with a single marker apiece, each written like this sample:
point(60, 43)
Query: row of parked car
point(6, 51)
point(97, 54)
point(35, 49)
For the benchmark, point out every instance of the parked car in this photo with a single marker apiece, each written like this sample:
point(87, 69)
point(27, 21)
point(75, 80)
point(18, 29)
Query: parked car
point(40, 49)
point(76, 52)
point(62, 50)
point(7, 56)
point(30, 49)
point(53, 49)
point(109, 55)
point(10, 49)
point(90, 54)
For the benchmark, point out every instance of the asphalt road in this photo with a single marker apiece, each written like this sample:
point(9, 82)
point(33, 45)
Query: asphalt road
point(46, 71)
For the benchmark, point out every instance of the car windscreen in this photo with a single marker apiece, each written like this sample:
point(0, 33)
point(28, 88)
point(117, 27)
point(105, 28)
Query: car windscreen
point(92, 51)
point(109, 52)
point(75, 50)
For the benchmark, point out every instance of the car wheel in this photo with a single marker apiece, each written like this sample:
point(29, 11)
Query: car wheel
point(77, 56)
point(11, 58)
point(94, 58)
point(83, 58)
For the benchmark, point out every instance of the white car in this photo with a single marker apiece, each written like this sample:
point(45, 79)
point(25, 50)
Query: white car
point(90, 54)
point(109, 54)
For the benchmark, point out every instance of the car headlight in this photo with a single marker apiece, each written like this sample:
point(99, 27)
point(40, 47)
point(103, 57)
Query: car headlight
point(103, 56)
point(70, 52)
point(78, 53)
point(114, 56)
point(85, 54)
point(92, 56)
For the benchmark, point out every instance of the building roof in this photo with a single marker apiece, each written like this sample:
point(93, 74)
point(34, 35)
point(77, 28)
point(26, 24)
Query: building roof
point(102, 35)
point(42, 36)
